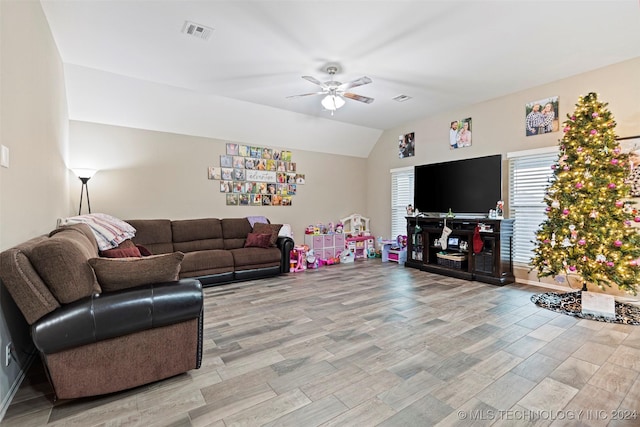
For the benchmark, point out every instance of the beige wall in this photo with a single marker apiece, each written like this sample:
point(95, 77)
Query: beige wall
point(33, 117)
point(498, 128)
point(148, 174)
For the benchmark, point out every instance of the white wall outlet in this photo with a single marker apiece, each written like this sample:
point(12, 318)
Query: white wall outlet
point(4, 156)
point(7, 354)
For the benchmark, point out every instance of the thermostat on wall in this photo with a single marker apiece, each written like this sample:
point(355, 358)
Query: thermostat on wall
point(4, 156)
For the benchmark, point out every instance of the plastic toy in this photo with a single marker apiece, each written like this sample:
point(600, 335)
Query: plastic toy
point(312, 260)
point(356, 224)
point(371, 252)
point(297, 259)
point(347, 257)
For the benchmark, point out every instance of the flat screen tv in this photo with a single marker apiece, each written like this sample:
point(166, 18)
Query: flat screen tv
point(469, 186)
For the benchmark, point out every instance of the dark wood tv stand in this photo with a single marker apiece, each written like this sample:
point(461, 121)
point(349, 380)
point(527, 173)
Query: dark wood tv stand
point(492, 265)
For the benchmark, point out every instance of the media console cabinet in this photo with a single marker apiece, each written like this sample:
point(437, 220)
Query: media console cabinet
point(492, 265)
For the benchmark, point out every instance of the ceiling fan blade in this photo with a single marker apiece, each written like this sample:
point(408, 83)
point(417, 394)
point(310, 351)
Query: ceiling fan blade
point(314, 81)
point(306, 94)
point(358, 82)
point(360, 98)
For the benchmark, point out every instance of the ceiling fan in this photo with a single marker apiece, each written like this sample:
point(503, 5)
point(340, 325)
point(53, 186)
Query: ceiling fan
point(335, 91)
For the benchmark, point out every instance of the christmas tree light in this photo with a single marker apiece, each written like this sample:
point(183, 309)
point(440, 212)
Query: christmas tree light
point(588, 232)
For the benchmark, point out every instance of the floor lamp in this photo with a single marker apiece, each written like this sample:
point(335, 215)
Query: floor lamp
point(84, 175)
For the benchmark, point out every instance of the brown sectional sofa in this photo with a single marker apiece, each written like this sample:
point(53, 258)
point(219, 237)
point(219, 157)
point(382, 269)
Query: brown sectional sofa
point(89, 338)
point(214, 249)
point(103, 325)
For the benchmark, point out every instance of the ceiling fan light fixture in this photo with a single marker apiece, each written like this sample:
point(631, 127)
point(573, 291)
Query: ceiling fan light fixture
point(332, 102)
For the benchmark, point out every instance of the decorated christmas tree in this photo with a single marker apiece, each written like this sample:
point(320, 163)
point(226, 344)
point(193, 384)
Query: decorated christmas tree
point(589, 232)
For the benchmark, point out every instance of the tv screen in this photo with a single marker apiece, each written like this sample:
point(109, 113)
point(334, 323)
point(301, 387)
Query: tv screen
point(469, 186)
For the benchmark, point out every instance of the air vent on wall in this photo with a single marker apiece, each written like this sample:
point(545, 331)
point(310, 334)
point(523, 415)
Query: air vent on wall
point(401, 98)
point(197, 30)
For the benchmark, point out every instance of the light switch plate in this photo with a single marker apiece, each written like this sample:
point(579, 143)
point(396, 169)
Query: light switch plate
point(4, 156)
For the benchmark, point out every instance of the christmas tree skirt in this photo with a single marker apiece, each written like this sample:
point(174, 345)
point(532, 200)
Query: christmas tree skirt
point(570, 303)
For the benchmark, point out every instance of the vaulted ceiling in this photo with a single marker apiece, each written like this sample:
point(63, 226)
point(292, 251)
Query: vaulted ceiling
point(128, 62)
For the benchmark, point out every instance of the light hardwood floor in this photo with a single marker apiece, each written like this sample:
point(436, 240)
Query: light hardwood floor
point(369, 344)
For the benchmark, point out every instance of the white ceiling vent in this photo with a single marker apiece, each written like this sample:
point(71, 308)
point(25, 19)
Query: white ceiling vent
point(401, 98)
point(197, 30)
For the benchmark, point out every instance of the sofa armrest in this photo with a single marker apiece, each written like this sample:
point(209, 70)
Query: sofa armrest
point(108, 315)
point(285, 244)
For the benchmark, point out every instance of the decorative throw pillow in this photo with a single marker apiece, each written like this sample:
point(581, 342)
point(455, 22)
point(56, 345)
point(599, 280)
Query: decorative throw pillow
point(121, 273)
point(256, 240)
point(121, 253)
point(143, 250)
point(124, 250)
point(272, 229)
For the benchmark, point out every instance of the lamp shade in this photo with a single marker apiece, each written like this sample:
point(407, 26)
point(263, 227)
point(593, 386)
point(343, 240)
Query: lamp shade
point(84, 173)
point(332, 102)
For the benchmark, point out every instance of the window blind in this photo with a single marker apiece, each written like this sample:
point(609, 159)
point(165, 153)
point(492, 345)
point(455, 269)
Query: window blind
point(401, 196)
point(529, 177)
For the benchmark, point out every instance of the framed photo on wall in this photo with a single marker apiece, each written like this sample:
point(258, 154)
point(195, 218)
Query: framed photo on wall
point(406, 145)
point(631, 146)
point(460, 133)
point(542, 116)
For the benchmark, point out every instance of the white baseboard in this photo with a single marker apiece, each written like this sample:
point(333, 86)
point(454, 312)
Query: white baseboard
point(14, 388)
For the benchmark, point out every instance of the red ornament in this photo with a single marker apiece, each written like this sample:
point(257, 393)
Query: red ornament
point(593, 131)
point(612, 185)
point(578, 185)
point(619, 203)
point(582, 242)
point(614, 161)
point(565, 212)
point(617, 243)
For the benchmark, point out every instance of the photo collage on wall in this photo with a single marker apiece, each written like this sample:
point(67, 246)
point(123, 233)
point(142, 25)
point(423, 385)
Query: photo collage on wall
point(257, 176)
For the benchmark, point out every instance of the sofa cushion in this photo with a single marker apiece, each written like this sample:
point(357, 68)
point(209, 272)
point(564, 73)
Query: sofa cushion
point(122, 273)
point(91, 243)
point(197, 234)
point(30, 293)
point(272, 229)
point(256, 240)
point(153, 234)
point(214, 261)
point(255, 257)
point(234, 232)
point(61, 261)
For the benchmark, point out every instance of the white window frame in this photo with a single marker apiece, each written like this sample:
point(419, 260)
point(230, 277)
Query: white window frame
point(402, 184)
point(529, 176)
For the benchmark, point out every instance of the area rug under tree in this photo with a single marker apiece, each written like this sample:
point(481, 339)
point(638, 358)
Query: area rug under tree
point(570, 303)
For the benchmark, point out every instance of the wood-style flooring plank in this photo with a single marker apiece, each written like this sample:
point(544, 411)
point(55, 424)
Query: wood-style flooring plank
point(370, 344)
